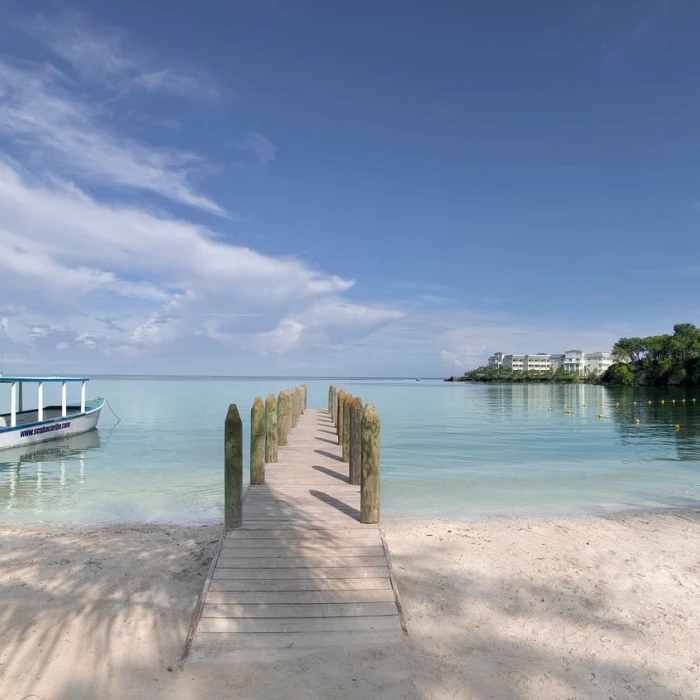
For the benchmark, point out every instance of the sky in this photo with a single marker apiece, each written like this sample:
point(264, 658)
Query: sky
point(343, 188)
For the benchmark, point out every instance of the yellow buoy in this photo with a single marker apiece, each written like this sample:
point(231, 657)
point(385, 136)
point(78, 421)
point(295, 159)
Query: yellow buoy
point(564, 406)
point(584, 405)
point(678, 427)
point(550, 408)
point(674, 401)
point(634, 403)
point(600, 415)
point(683, 400)
point(617, 405)
point(636, 420)
point(650, 403)
point(693, 400)
point(602, 404)
point(569, 413)
point(662, 402)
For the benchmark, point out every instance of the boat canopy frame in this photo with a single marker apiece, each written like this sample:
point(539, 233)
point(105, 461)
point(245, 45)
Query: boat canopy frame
point(16, 394)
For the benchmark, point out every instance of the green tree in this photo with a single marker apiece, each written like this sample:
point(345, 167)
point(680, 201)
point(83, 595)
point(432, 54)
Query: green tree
point(629, 349)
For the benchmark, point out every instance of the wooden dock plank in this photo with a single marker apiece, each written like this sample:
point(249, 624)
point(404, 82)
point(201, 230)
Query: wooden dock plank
point(298, 610)
point(272, 598)
point(302, 566)
point(310, 561)
point(301, 574)
point(292, 551)
point(339, 584)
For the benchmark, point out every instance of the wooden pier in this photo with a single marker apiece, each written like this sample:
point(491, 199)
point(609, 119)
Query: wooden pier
point(302, 570)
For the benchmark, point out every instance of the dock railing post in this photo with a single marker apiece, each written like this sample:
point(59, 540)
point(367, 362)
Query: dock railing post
point(281, 429)
point(233, 469)
point(271, 433)
point(369, 490)
point(257, 442)
point(295, 399)
point(355, 474)
point(303, 398)
point(340, 418)
point(347, 405)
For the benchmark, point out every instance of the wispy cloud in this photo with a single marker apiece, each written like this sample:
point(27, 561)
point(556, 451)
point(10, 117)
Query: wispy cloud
point(167, 279)
point(58, 127)
point(262, 148)
point(104, 55)
point(100, 278)
point(327, 322)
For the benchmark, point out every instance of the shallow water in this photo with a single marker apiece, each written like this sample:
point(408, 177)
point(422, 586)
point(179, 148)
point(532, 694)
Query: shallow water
point(460, 451)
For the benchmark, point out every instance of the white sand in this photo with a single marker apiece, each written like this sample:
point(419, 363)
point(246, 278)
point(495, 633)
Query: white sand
point(96, 612)
point(559, 608)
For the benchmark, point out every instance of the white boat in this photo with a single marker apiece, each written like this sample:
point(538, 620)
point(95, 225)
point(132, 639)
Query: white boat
point(19, 427)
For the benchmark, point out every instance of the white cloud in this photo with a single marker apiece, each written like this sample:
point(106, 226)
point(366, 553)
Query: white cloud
point(261, 147)
point(329, 322)
point(88, 340)
point(105, 56)
point(100, 279)
point(167, 278)
point(62, 130)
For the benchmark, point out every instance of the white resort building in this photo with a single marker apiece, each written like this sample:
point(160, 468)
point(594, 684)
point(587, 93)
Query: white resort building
point(571, 361)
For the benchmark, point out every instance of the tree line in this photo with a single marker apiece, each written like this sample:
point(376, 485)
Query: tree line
point(500, 374)
point(658, 360)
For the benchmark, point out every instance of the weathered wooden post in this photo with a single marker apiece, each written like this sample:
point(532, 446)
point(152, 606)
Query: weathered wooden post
point(339, 420)
point(356, 441)
point(233, 469)
point(369, 490)
point(271, 435)
point(257, 442)
point(334, 403)
point(295, 407)
point(283, 410)
point(303, 398)
point(347, 404)
point(330, 400)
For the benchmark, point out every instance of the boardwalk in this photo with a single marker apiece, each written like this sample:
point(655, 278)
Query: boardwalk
point(302, 571)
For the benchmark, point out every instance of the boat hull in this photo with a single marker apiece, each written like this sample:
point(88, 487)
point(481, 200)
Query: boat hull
point(54, 429)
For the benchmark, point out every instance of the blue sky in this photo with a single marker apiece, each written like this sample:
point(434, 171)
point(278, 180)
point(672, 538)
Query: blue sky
point(342, 188)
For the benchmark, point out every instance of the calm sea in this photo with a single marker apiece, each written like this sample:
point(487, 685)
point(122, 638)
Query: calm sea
point(459, 451)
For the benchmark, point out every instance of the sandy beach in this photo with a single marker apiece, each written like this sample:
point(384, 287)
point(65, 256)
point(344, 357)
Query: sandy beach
point(590, 607)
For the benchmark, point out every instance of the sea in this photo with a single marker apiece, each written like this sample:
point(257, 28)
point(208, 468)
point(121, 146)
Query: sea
point(448, 450)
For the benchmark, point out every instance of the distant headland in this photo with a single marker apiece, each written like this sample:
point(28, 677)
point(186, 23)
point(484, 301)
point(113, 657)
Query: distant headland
point(659, 360)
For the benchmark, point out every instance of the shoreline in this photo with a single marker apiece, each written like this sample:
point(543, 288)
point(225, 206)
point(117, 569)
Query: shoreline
point(595, 512)
point(549, 607)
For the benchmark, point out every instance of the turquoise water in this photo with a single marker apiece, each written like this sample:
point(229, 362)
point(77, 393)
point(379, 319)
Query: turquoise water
point(460, 451)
